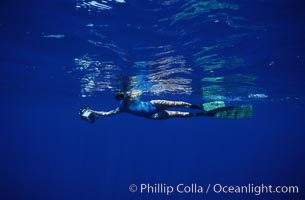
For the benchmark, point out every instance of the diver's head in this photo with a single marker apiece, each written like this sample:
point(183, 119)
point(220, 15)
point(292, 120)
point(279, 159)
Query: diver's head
point(119, 96)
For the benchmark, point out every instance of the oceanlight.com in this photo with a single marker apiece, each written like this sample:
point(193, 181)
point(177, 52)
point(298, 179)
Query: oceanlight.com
point(194, 188)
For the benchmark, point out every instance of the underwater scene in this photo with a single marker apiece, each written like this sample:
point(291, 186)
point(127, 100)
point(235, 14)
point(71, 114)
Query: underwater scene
point(152, 99)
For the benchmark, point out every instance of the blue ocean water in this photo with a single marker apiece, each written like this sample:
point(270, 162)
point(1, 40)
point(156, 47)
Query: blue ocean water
point(57, 56)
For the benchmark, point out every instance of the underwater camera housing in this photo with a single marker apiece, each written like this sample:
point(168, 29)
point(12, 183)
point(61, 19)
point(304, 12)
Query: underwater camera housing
point(87, 115)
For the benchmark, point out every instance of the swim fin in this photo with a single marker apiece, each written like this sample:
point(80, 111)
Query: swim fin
point(208, 106)
point(231, 112)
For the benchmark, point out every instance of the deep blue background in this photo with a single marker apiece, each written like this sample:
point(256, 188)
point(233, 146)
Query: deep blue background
point(48, 153)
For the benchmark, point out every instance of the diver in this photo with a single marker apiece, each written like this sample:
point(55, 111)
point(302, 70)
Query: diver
point(160, 109)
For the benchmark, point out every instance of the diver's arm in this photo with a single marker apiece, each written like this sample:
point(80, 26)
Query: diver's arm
point(111, 112)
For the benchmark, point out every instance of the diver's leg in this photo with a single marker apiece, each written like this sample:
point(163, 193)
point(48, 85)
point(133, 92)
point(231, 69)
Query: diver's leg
point(228, 112)
point(165, 104)
point(165, 114)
